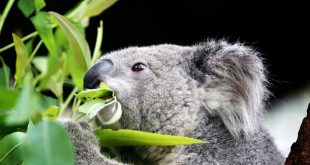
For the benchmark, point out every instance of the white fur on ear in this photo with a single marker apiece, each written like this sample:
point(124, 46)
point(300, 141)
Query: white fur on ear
point(236, 91)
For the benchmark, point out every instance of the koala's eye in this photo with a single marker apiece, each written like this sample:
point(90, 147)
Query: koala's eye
point(137, 67)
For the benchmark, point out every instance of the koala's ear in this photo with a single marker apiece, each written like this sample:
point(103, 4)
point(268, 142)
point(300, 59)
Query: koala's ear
point(233, 77)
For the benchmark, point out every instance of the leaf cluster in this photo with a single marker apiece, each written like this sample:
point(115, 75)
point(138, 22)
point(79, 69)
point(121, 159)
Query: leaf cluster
point(29, 131)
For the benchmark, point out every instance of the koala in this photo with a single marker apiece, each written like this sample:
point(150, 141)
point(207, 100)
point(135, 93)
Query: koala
point(213, 91)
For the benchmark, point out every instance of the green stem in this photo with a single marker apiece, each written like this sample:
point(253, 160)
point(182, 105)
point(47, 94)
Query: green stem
point(36, 80)
point(68, 100)
point(34, 52)
point(98, 43)
point(6, 11)
point(23, 39)
point(60, 101)
point(75, 106)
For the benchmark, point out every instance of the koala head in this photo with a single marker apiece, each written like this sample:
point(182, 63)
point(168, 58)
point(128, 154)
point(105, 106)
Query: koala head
point(162, 88)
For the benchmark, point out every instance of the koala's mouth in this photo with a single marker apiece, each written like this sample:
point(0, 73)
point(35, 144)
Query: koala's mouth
point(100, 103)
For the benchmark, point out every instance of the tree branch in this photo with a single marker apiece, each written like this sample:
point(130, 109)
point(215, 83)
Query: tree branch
point(300, 150)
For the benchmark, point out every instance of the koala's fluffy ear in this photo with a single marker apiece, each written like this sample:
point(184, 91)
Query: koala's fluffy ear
point(234, 80)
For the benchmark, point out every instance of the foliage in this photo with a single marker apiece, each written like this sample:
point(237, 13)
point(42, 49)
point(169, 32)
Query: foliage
point(29, 133)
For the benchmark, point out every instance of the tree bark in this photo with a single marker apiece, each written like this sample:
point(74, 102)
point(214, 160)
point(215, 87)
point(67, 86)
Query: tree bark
point(300, 150)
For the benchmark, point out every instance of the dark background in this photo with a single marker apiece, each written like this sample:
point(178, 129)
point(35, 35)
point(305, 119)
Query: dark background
point(276, 29)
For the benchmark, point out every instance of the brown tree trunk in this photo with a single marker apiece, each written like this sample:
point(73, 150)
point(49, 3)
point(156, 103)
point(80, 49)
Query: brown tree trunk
point(300, 150)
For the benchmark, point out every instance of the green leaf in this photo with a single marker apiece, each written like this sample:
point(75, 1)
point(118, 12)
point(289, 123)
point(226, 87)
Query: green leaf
point(46, 101)
point(26, 6)
point(4, 75)
point(39, 4)
point(44, 26)
point(11, 148)
point(51, 112)
point(8, 99)
point(27, 104)
point(41, 63)
point(21, 59)
point(55, 83)
point(92, 108)
point(103, 101)
point(122, 137)
point(95, 93)
point(54, 64)
point(48, 109)
point(110, 112)
point(95, 7)
point(79, 58)
point(48, 143)
point(29, 45)
point(61, 39)
point(56, 78)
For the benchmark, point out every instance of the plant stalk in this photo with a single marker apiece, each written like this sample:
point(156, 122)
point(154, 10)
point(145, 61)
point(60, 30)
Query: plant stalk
point(34, 52)
point(23, 39)
point(6, 11)
point(68, 100)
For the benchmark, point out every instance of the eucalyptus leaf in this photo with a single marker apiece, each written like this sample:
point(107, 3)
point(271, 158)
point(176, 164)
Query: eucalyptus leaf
point(26, 6)
point(101, 102)
point(56, 78)
point(29, 45)
point(8, 99)
point(39, 4)
point(61, 39)
point(110, 114)
point(122, 137)
point(51, 112)
point(11, 148)
point(41, 63)
point(26, 105)
point(91, 108)
point(46, 101)
point(48, 109)
point(95, 7)
point(54, 64)
point(55, 83)
point(95, 93)
point(42, 23)
point(4, 75)
point(107, 113)
point(48, 143)
point(79, 58)
point(21, 59)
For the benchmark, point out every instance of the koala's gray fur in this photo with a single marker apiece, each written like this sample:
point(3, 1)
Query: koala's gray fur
point(213, 91)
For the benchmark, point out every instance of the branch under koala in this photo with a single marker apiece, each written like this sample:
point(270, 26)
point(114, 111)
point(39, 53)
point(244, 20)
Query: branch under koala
point(300, 150)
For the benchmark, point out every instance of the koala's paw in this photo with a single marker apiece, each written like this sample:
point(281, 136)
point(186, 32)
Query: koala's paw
point(86, 146)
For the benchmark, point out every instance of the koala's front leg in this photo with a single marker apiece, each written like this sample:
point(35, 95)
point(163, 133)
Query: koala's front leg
point(87, 150)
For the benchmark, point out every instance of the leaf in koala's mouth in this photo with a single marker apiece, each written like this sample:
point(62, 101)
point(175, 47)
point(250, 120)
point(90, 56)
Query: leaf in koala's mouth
point(102, 103)
point(123, 137)
point(102, 92)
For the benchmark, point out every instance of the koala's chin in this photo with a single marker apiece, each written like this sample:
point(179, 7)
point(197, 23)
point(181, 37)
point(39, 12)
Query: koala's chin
point(213, 91)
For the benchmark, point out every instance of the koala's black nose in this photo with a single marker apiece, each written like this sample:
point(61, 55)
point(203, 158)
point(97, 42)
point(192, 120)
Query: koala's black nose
point(96, 74)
